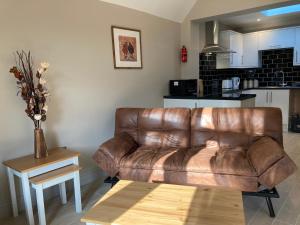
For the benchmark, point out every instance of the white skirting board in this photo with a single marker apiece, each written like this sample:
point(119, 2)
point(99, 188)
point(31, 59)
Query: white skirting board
point(87, 175)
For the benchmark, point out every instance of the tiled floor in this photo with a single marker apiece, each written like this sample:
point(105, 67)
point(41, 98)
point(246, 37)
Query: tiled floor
point(287, 208)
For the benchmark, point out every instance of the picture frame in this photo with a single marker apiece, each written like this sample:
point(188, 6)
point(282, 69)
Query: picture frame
point(127, 48)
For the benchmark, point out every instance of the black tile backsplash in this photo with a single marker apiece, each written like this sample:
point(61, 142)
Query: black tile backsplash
point(271, 61)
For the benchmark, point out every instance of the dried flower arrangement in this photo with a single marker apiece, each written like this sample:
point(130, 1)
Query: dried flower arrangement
point(32, 87)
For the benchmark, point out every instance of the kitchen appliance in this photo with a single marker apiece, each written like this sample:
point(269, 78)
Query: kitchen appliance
point(212, 39)
point(231, 95)
point(226, 85)
point(236, 83)
point(184, 87)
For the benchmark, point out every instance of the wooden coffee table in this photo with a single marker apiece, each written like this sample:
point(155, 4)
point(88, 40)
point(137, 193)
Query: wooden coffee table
point(130, 202)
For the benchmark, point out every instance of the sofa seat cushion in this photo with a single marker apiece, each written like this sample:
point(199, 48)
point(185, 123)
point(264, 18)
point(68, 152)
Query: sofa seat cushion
point(232, 161)
point(200, 159)
point(148, 157)
point(242, 183)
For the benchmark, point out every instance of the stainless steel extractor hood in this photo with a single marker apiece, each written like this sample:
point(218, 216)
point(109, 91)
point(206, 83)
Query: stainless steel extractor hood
point(212, 39)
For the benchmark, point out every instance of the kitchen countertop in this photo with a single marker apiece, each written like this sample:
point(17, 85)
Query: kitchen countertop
point(273, 87)
point(233, 96)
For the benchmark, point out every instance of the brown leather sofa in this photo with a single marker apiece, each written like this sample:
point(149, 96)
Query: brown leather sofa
point(233, 147)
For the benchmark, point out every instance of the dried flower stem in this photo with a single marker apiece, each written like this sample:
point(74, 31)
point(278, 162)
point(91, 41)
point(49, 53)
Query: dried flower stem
point(33, 92)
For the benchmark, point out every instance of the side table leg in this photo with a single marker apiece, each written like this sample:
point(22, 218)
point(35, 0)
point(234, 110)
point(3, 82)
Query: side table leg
point(27, 199)
point(12, 189)
point(62, 191)
point(40, 205)
point(77, 192)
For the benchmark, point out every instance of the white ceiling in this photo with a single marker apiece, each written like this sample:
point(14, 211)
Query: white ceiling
point(248, 22)
point(175, 10)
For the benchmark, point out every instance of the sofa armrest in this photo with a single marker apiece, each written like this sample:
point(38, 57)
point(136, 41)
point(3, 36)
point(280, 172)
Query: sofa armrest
point(110, 153)
point(278, 172)
point(270, 161)
point(264, 153)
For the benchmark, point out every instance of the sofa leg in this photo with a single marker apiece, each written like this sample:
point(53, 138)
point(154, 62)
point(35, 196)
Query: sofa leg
point(270, 206)
point(111, 180)
point(268, 195)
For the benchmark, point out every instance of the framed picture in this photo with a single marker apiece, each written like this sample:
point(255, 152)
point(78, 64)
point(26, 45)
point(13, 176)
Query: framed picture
point(127, 50)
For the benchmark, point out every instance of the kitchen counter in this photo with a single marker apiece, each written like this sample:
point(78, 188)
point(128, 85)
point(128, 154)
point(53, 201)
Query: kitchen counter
point(230, 100)
point(273, 88)
point(295, 85)
point(284, 98)
point(232, 96)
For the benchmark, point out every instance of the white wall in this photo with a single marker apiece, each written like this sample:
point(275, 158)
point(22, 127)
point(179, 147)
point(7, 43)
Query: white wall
point(75, 37)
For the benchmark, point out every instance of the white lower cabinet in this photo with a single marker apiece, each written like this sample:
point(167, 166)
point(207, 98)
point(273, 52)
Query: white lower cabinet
point(184, 103)
point(281, 99)
point(273, 98)
point(211, 103)
point(261, 99)
point(264, 98)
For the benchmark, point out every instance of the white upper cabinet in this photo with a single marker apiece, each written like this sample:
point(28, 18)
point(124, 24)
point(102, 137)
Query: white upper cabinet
point(250, 50)
point(236, 45)
point(248, 45)
point(278, 38)
point(297, 47)
point(233, 41)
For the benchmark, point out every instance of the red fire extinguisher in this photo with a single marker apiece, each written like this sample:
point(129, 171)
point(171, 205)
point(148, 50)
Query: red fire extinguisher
point(183, 54)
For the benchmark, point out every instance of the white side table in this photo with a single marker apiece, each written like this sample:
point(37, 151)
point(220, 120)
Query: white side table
point(56, 177)
point(27, 167)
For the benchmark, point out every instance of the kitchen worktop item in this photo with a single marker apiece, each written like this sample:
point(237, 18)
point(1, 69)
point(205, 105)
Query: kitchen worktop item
point(245, 84)
point(250, 83)
point(236, 83)
point(255, 83)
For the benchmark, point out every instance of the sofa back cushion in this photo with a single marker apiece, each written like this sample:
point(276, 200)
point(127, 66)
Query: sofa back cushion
point(164, 127)
point(157, 127)
point(231, 127)
point(179, 127)
point(126, 121)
